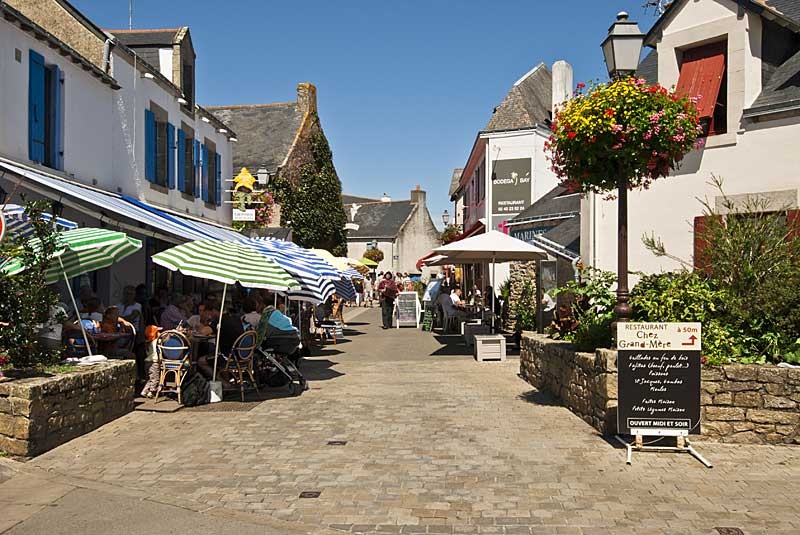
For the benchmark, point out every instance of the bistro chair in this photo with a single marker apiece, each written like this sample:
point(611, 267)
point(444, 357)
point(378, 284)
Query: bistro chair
point(174, 357)
point(76, 345)
point(240, 362)
point(447, 318)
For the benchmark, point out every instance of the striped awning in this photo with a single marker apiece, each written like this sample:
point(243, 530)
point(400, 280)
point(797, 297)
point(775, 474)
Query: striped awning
point(116, 209)
point(18, 224)
point(80, 251)
point(226, 262)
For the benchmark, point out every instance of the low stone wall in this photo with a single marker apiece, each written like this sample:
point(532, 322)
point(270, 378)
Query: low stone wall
point(40, 413)
point(740, 403)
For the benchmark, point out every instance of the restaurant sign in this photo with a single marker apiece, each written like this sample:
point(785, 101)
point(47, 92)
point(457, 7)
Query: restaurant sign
point(511, 188)
point(244, 215)
point(658, 378)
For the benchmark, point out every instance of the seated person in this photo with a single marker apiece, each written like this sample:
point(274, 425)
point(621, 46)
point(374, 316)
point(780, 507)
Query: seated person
point(230, 331)
point(176, 312)
point(276, 329)
point(202, 322)
point(91, 309)
point(454, 306)
point(114, 324)
point(252, 314)
point(455, 297)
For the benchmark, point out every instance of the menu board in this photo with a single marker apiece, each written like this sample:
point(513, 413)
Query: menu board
point(407, 309)
point(427, 319)
point(658, 378)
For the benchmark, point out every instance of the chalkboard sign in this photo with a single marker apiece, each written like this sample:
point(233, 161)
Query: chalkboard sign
point(407, 309)
point(658, 378)
point(427, 319)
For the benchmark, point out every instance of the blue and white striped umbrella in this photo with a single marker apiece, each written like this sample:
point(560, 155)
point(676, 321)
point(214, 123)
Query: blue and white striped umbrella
point(344, 289)
point(302, 256)
point(315, 286)
point(18, 223)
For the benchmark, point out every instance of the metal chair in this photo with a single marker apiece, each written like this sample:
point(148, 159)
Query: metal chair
point(174, 357)
point(447, 318)
point(240, 362)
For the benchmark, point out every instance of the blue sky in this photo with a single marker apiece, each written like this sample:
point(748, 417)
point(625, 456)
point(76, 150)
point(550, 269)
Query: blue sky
point(403, 86)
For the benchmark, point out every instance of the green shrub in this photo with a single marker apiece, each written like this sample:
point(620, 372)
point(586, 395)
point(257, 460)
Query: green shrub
point(525, 308)
point(593, 308)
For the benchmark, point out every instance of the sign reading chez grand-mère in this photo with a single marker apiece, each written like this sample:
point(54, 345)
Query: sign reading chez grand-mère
point(658, 378)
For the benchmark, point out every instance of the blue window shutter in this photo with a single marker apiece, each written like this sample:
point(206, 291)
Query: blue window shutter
point(149, 146)
point(36, 107)
point(57, 158)
point(204, 172)
point(170, 156)
point(181, 160)
point(218, 178)
point(196, 168)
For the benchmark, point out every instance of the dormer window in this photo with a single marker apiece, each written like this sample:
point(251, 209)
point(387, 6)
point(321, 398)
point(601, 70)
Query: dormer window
point(703, 74)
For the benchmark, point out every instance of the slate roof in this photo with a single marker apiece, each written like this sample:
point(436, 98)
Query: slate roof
point(355, 199)
point(380, 219)
point(266, 132)
point(527, 103)
point(781, 91)
point(455, 180)
point(567, 234)
point(557, 201)
point(648, 68)
point(146, 43)
point(788, 8)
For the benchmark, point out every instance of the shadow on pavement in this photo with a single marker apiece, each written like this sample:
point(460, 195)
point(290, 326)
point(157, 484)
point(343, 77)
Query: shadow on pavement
point(452, 345)
point(319, 370)
point(539, 398)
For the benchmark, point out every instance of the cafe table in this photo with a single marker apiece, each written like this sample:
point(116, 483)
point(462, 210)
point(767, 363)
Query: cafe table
point(195, 339)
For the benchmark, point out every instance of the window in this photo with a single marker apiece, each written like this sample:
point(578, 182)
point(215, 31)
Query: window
point(45, 112)
point(159, 148)
point(212, 174)
point(703, 74)
point(186, 169)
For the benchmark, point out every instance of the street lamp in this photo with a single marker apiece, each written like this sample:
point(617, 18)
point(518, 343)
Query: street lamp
point(622, 49)
point(445, 218)
point(3, 196)
point(57, 208)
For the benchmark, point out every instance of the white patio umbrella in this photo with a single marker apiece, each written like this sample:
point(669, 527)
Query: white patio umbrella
point(492, 246)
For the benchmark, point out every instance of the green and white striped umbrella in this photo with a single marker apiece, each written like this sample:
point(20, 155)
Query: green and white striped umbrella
point(227, 262)
point(80, 251)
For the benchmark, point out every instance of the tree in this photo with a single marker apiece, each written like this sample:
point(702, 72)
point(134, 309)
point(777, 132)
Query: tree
point(25, 298)
point(374, 254)
point(313, 203)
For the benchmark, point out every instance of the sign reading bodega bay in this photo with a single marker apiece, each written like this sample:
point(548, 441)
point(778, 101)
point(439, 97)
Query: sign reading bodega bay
point(658, 378)
point(511, 186)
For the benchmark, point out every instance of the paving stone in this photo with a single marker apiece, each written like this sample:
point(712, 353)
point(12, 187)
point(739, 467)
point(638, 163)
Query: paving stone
point(437, 443)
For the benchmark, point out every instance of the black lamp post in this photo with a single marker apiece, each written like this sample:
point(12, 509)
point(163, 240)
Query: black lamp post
point(622, 49)
point(445, 218)
point(57, 208)
point(3, 196)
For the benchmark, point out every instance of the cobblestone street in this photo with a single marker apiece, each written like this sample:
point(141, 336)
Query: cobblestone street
point(435, 443)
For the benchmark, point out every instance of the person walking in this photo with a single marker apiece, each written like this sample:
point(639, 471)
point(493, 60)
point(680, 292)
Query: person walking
point(368, 291)
point(387, 290)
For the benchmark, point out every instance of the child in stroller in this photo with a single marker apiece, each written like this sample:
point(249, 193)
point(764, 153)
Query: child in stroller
point(279, 343)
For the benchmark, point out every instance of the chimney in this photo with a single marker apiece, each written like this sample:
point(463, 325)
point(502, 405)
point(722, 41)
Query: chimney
point(307, 97)
point(386, 198)
point(562, 83)
point(418, 196)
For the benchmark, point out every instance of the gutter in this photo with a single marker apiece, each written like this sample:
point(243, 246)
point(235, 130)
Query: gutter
point(771, 109)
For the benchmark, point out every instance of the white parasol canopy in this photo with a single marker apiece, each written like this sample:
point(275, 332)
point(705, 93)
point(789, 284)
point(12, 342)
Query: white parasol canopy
point(492, 246)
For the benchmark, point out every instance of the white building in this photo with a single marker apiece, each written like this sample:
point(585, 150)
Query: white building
point(88, 123)
point(507, 170)
point(749, 52)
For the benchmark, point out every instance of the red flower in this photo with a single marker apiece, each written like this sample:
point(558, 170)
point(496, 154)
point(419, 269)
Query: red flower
point(580, 85)
point(571, 134)
point(592, 139)
point(610, 112)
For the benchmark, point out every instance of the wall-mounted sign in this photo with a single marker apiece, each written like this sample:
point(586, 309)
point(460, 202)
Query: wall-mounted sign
point(658, 378)
point(2, 226)
point(511, 188)
point(244, 215)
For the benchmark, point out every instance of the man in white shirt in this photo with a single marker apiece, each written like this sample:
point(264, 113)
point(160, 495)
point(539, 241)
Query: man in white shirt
point(455, 296)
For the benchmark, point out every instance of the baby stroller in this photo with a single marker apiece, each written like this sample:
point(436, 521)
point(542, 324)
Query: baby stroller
point(281, 354)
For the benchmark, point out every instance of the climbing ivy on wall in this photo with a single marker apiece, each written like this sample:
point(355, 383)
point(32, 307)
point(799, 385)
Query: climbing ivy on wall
point(311, 197)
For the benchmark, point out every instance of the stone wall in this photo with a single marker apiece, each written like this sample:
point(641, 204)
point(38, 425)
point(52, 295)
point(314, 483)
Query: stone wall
point(40, 413)
point(739, 403)
point(520, 273)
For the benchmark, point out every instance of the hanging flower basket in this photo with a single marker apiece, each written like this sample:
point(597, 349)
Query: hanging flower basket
point(624, 128)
